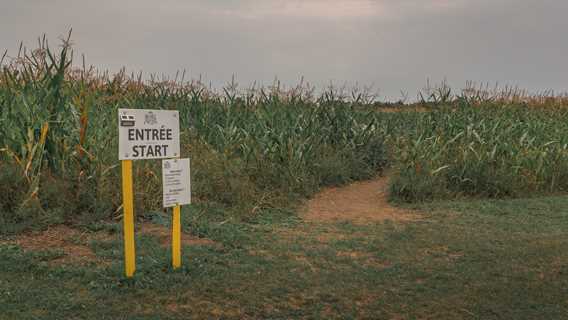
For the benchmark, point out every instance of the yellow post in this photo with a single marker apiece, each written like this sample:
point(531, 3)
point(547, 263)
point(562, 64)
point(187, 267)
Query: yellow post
point(128, 218)
point(176, 237)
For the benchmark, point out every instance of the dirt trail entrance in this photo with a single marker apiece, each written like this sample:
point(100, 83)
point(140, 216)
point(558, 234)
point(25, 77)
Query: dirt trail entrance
point(360, 203)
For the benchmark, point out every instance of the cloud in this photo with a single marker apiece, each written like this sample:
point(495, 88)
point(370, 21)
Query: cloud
point(326, 9)
point(333, 9)
point(395, 44)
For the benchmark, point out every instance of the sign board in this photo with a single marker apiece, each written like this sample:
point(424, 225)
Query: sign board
point(148, 134)
point(176, 182)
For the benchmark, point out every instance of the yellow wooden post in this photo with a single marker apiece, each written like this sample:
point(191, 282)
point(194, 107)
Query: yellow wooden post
point(128, 218)
point(176, 237)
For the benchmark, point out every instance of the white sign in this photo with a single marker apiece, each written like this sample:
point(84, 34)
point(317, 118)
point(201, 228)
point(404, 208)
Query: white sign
point(176, 182)
point(148, 134)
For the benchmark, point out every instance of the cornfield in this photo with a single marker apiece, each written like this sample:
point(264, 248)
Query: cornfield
point(486, 151)
point(251, 149)
point(263, 147)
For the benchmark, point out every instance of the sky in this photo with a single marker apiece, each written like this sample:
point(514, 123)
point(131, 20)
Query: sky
point(391, 45)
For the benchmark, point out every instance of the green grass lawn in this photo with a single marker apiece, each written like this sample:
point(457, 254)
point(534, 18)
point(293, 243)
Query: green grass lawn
point(505, 259)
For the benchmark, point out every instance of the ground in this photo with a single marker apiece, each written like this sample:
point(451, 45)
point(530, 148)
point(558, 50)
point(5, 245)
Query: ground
point(340, 258)
point(359, 203)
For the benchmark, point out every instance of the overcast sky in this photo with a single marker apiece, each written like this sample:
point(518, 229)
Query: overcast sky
point(391, 44)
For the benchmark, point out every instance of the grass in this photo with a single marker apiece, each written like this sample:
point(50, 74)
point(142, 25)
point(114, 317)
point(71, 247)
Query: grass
point(463, 260)
point(264, 148)
point(485, 151)
point(256, 155)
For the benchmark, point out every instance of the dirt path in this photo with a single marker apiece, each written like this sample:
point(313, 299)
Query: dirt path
point(360, 202)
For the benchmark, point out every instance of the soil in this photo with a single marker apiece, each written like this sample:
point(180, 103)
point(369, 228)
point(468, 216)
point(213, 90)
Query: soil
point(164, 235)
point(71, 243)
point(74, 243)
point(359, 203)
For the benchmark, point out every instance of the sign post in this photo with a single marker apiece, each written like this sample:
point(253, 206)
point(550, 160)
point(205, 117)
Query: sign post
point(176, 192)
point(176, 237)
point(145, 134)
point(128, 218)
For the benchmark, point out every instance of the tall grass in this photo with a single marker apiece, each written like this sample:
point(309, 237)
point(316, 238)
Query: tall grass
point(263, 147)
point(486, 151)
point(251, 149)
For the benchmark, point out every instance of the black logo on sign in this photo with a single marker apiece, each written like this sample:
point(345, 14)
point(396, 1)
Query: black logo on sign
point(127, 120)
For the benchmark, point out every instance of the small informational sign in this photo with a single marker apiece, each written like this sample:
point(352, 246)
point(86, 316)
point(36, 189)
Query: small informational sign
point(148, 134)
point(176, 182)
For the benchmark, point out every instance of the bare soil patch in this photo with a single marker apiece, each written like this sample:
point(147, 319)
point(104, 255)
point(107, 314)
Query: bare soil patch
point(74, 243)
point(164, 235)
point(359, 203)
point(71, 242)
